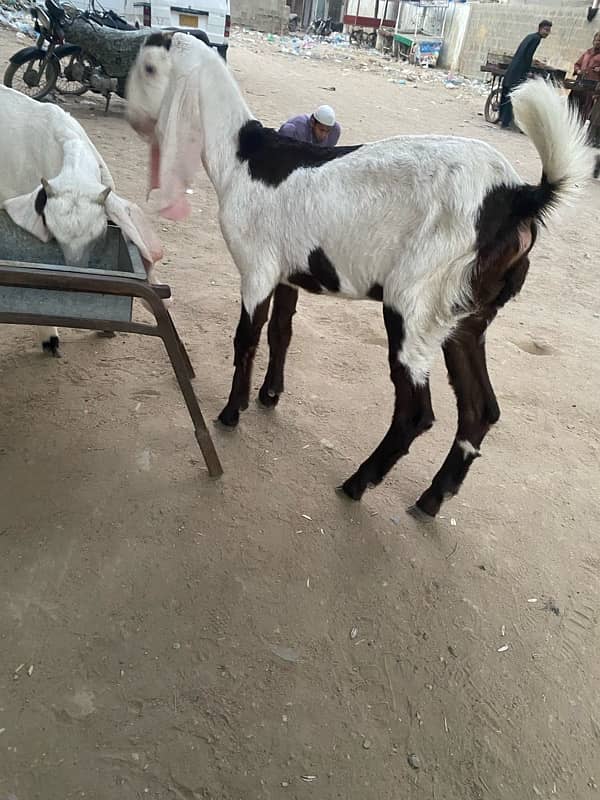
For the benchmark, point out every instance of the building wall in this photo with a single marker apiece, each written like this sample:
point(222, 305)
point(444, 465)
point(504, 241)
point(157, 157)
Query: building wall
point(477, 28)
point(270, 16)
point(455, 31)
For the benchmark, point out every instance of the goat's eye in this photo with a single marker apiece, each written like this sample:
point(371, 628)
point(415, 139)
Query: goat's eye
point(150, 70)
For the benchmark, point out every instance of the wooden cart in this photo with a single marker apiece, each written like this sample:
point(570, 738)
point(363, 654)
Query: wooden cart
point(582, 86)
point(496, 65)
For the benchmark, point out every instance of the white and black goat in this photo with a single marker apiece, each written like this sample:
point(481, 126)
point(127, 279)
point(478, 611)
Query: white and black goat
point(437, 229)
point(55, 184)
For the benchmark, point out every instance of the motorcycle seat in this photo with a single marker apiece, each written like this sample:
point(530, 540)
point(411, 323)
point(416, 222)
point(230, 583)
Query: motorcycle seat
point(114, 49)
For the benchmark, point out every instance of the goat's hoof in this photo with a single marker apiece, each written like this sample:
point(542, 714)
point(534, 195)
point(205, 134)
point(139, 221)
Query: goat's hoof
point(428, 504)
point(229, 417)
point(106, 334)
point(351, 489)
point(52, 346)
point(420, 515)
point(268, 398)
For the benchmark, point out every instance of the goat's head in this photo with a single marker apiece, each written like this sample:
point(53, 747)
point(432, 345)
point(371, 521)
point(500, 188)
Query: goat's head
point(148, 82)
point(163, 106)
point(74, 208)
point(70, 211)
point(75, 216)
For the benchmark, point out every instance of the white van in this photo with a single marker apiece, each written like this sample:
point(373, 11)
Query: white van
point(211, 16)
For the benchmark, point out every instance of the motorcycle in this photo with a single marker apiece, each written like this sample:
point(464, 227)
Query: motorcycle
point(325, 27)
point(97, 57)
point(110, 19)
point(103, 53)
point(34, 71)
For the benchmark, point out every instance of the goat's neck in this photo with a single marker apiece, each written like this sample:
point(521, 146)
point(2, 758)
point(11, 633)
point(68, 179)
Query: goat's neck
point(223, 111)
point(80, 166)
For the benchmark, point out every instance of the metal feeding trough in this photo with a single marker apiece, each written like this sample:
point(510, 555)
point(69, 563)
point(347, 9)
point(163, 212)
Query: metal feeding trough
point(112, 257)
point(36, 288)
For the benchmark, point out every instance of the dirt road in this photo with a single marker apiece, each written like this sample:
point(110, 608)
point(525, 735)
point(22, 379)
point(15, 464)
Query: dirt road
point(183, 638)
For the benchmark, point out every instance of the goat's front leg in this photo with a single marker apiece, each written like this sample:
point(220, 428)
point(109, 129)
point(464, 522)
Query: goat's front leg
point(245, 343)
point(280, 336)
point(477, 410)
point(50, 341)
point(412, 416)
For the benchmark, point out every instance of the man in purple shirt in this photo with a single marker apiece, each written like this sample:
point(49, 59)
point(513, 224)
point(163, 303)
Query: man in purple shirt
point(318, 128)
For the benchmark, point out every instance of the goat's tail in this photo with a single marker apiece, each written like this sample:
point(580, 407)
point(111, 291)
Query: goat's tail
point(560, 139)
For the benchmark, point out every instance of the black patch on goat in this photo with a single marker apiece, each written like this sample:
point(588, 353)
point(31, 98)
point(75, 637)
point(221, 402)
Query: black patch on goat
point(394, 326)
point(321, 274)
point(505, 211)
point(41, 199)
point(376, 292)
point(272, 158)
point(305, 281)
point(159, 40)
point(505, 207)
point(323, 270)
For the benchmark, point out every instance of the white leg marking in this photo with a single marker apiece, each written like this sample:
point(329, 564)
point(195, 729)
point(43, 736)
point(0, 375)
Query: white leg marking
point(468, 448)
point(46, 334)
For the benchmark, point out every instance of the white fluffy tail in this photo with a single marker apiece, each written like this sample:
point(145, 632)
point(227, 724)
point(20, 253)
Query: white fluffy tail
point(557, 134)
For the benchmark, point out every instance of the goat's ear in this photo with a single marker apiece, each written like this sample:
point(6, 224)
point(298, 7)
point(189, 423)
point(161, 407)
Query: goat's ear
point(26, 212)
point(177, 150)
point(101, 200)
point(134, 225)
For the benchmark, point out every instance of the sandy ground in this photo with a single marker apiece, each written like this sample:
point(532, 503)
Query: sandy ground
point(192, 639)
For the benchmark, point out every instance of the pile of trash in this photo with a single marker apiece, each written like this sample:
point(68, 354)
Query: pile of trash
point(414, 74)
point(337, 48)
point(15, 16)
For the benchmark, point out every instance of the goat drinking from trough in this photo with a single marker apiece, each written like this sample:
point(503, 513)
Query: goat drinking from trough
point(448, 221)
point(55, 184)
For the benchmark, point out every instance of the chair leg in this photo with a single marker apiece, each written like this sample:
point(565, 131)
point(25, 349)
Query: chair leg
point(182, 368)
point(184, 352)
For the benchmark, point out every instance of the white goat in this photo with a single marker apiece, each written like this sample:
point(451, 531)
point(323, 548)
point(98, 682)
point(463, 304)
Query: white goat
point(437, 228)
point(55, 184)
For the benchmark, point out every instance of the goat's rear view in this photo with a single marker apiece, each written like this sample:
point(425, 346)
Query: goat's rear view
point(443, 254)
point(507, 230)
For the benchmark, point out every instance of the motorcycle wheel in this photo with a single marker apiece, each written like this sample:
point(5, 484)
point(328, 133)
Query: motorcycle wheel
point(34, 78)
point(64, 84)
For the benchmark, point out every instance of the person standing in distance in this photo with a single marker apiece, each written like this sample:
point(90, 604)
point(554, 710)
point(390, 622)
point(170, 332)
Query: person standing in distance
point(519, 68)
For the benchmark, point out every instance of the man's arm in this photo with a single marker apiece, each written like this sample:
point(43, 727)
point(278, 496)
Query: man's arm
point(289, 130)
point(532, 46)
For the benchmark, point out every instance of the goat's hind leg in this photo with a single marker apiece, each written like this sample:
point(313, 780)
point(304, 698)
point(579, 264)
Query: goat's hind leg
point(412, 415)
point(280, 335)
point(247, 337)
point(50, 341)
point(477, 410)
